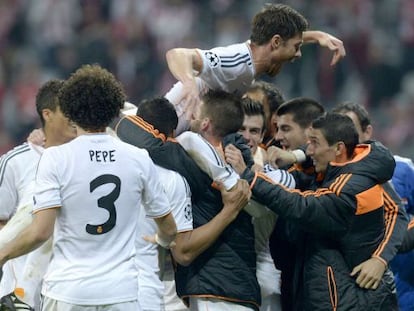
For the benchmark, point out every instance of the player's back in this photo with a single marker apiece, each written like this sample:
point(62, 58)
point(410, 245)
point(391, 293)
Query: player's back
point(101, 182)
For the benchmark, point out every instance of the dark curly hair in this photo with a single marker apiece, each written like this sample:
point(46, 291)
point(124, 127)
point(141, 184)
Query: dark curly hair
point(92, 98)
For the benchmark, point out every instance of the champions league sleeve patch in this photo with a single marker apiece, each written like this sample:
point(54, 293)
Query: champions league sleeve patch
point(212, 59)
point(188, 212)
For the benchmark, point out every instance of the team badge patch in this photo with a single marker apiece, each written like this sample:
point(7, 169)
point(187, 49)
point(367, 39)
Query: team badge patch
point(188, 214)
point(212, 59)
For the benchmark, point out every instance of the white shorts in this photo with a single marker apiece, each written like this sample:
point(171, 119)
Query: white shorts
point(171, 299)
point(210, 304)
point(49, 304)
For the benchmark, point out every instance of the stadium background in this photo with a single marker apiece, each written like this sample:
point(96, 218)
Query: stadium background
point(45, 39)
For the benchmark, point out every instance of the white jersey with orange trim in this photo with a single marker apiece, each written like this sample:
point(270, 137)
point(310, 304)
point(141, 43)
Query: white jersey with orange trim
point(151, 288)
point(98, 183)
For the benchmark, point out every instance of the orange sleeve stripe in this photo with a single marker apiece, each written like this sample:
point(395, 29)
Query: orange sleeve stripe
point(369, 200)
point(340, 183)
point(146, 126)
point(337, 181)
point(323, 191)
point(265, 177)
point(253, 181)
point(382, 260)
point(317, 193)
point(390, 217)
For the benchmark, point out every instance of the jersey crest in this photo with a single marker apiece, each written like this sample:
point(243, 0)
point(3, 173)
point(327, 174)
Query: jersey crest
point(212, 59)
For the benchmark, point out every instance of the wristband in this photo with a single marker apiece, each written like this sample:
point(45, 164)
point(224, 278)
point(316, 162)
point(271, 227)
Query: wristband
point(299, 155)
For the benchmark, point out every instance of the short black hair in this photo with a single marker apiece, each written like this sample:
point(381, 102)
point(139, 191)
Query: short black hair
point(253, 108)
point(92, 97)
point(47, 97)
point(359, 110)
point(272, 94)
point(337, 127)
point(275, 19)
point(304, 110)
point(224, 110)
point(160, 113)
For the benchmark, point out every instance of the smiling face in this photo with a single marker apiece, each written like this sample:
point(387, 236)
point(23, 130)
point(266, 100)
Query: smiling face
point(319, 150)
point(283, 51)
point(289, 133)
point(252, 131)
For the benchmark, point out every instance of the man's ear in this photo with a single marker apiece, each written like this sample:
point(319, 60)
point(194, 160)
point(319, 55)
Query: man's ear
point(46, 113)
point(205, 124)
point(340, 149)
point(276, 41)
point(368, 132)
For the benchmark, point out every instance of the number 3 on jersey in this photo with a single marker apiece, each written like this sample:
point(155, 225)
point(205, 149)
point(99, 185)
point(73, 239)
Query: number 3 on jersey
point(106, 202)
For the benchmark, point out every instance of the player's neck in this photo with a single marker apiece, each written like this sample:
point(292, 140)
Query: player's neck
point(260, 58)
point(80, 131)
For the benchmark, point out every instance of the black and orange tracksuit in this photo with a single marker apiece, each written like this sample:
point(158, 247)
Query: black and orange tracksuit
point(343, 221)
point(227, 269)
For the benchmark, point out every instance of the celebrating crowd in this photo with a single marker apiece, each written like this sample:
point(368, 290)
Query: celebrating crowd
point(221, 194)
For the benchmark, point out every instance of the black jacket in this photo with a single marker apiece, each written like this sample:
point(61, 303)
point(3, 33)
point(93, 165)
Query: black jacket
point(344, 224)
point(227, 269)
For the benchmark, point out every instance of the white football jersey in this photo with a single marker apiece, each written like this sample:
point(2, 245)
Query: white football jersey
point(151, 289)
point(208, 159)
point(228, 68)
point(17, 171)
point(99, 183)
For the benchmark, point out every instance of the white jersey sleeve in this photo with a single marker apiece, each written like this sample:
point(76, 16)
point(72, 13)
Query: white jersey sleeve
point(47, 183)
point(179, 195)
point(17, 171)
point(151, 289)
point(207, 158)
point(229, 68)
point(154, 197)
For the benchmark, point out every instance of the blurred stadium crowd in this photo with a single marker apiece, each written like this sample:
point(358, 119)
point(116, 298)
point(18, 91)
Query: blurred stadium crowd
point(43, 39)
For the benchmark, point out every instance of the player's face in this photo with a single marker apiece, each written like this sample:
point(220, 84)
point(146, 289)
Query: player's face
point(319, 150)
point(289, 133)
point(286, 51)
point(252, 131)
